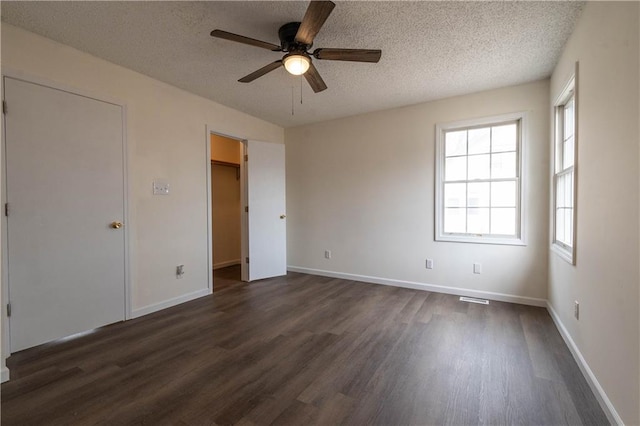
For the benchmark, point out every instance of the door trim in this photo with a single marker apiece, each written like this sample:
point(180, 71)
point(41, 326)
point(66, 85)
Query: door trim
point(129, 255)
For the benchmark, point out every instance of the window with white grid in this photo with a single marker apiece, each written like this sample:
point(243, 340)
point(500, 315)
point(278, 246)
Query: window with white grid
point(478, 181)
point(564, 173)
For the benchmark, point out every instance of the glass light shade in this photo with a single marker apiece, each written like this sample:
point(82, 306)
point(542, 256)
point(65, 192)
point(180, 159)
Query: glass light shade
point(296, 64)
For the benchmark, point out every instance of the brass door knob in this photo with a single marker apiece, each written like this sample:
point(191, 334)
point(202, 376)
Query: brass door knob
point(282, 216)
point(116, 225)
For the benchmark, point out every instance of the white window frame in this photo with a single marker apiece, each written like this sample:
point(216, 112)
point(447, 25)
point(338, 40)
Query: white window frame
point(441, 129)
point(564, 251)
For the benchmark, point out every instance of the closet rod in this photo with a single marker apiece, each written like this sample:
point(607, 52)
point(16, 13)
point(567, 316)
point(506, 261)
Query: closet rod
point(225, 163)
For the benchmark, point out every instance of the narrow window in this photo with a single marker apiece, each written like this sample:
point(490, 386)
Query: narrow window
point(564, 179)
point(478, 181)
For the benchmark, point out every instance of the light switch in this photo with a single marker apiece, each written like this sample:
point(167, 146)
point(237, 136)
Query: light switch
point(160, 187)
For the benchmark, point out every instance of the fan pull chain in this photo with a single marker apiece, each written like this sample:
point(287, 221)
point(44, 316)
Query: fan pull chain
point(300, 89)
point(292, 113)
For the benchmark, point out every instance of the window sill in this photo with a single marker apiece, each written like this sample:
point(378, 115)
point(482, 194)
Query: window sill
point(563, 253)
point(480, 240)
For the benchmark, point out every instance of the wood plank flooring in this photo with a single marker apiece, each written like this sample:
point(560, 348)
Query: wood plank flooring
point(300, 350)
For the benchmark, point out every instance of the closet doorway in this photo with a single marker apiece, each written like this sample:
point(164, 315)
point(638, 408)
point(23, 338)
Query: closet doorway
point(226, 213)
point(257, 208)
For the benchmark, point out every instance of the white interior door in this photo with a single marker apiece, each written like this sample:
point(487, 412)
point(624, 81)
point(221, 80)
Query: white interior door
point(65, 189)
point(267, 221)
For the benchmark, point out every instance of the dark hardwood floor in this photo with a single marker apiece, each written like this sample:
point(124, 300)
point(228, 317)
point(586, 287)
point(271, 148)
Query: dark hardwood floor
point(226, 277)
point(301, 350)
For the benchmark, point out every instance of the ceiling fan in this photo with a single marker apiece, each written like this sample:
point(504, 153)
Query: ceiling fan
point(296, 38)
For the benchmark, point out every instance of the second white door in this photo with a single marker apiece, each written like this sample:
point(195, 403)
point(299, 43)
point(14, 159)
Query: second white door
point(65, 189)
point(267, 206)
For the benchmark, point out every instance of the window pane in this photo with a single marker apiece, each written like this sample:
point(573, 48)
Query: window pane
point(567, 153)
point(560, 186)
point(503, 194)
point(456, 168)
point(455, 194)
point(479, 141)
point(503, 138)
point(568, 190)
point(478, 194)
point(560, 225)
point(478, 221)
point(454, 220)
point(479, 166)
point(569, 113)
point(558, 143)
point(503, 221)
point(503, 165)
point(456, 143)
point(568, 227)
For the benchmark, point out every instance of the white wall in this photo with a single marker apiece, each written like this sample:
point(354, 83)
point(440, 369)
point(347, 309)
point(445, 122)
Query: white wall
point(605, 279)
point(167, 138)
point(363, 187)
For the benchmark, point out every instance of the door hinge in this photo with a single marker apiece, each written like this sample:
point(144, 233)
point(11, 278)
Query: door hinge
point(246, 157)
point(9, 309)
point(4, 107)
point(6, 209)
point(247, 260)
point(246, 209)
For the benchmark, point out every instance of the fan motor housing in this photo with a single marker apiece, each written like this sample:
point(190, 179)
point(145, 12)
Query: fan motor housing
point(287, 34)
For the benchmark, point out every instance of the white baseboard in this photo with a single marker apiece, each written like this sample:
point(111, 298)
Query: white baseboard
point(601, 396)
point(169, 303)
point(532, 301)
point(226, 263)
point(4, 374)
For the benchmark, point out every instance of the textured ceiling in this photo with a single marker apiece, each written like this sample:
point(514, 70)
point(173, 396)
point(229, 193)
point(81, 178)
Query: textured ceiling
point(430, 50)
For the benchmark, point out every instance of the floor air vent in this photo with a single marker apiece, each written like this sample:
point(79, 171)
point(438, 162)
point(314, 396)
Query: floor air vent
point(474, 300)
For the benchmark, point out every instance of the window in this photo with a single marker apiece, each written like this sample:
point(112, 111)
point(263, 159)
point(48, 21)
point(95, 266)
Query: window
point(564, 182)
point(478, 181)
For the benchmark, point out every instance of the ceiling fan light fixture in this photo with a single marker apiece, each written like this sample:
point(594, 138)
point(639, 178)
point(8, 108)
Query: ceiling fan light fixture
point(296, 64)
point(296, 38)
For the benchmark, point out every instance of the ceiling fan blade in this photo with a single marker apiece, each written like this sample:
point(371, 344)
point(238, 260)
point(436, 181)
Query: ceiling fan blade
point(245, 40)
point(355, 55)
point(314, 17)
point(262, 71)
point(313, 78)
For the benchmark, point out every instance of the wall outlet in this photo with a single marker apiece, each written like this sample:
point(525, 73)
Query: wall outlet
point(327, 254)
point(477, 268)
point(576, 309)
point(179, 271)
point(429, 263)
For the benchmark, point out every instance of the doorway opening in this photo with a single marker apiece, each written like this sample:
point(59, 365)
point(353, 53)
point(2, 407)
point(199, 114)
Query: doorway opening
point(261, 209)
point(227, 218)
